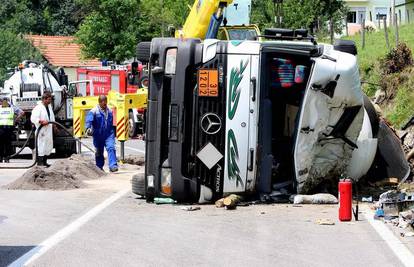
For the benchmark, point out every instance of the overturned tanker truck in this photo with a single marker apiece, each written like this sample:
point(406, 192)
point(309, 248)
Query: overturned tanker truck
point(243, 116)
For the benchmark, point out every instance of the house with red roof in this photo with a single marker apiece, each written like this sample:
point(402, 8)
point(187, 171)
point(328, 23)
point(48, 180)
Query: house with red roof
point(62, 51)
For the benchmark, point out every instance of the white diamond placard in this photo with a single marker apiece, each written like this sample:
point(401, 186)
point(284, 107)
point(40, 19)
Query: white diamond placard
point(209, 155)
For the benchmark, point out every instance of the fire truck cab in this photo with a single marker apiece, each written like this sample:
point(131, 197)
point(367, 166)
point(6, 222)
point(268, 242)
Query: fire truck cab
point(123, 79)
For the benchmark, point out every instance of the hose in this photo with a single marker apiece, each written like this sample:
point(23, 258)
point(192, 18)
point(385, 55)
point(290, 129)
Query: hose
point(35, 161)
point(70, 134)
point(24, 145)
point(36, 142)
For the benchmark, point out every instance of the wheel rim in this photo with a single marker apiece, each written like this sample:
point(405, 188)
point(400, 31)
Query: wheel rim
point(144, 83)
point(131, 128)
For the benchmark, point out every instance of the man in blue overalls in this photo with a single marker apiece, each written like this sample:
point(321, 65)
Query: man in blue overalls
point(99, 124)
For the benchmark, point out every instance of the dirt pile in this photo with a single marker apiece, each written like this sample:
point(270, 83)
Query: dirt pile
point(64, 174)
point(135, 160)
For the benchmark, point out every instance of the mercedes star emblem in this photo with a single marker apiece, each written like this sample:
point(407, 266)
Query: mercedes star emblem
point(210, 123)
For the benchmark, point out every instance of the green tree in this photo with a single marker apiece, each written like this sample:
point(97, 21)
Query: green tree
point(263, 13)
point(168, 13)
point(14, 49)
point(309, 14)
point(16, 16)
point(60, 17)
point(48, 17)
point(114, 27)
point(109, 31)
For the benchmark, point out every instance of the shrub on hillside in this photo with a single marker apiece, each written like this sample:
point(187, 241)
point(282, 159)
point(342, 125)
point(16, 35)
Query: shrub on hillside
point(392, 82)
point(397, 59)
point(400, 96)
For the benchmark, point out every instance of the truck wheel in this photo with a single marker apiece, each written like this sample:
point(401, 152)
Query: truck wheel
point(66, 147)
point(144, 52)
point(138, 184)
point(144, 81)
point(133, 127)
point(64, 152)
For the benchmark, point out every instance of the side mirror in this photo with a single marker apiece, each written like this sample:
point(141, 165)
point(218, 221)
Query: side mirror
point(134, 68)
point(72, 90)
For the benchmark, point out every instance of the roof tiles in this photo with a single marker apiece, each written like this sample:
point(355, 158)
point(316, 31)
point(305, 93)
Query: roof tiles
point(61, 51)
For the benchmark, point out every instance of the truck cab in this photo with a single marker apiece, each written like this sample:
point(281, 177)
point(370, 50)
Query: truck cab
point(247, 116)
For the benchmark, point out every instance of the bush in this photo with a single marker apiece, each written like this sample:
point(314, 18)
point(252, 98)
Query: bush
point(403, 107)
point(397, 59)
point(400, 93)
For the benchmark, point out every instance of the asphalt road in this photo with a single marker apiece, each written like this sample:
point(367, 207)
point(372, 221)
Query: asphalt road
point(106, 225)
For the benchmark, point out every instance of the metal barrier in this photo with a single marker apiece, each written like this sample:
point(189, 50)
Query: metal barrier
point(120, 104)
point(81, 107)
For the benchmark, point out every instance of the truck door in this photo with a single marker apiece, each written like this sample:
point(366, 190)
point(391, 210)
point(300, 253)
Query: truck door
point(237, 123)
point(330, 121)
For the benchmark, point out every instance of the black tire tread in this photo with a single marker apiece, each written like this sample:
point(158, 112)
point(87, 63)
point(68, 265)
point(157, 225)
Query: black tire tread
point(138, 184)
point(373, 116)
point(144, 52)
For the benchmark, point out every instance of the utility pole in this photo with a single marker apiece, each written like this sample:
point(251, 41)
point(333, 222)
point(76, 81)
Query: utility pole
point(162, 18)
point(278, 8)
point(392, 15)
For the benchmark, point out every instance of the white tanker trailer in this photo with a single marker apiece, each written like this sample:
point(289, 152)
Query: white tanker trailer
point(25, 88)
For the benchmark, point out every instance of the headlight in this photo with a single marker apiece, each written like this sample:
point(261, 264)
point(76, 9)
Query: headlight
point(166, 179)
point(171, 61)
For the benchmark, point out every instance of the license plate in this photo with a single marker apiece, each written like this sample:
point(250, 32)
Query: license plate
point(208, 83)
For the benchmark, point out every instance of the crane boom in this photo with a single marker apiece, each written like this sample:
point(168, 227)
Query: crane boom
point(198, 21)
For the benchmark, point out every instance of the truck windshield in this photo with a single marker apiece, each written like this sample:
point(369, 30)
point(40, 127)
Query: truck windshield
point(242, 34)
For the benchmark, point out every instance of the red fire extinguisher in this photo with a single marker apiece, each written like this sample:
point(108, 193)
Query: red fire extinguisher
point(345, 199)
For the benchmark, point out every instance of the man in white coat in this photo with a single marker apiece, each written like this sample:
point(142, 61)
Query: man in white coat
point(42, 114)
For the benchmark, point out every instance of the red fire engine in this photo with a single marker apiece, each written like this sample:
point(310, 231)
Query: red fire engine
point(124, 79)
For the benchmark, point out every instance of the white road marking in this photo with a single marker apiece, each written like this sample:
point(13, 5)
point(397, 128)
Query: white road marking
point(133, 149)
point(399, 249)
point(55, 239)
point(126, 147)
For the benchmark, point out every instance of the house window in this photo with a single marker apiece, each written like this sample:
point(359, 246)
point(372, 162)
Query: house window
point(352, 17)
point(381, 13)
point(356, 15)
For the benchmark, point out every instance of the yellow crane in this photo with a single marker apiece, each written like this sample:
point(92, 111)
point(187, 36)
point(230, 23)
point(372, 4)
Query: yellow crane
point(204, 21)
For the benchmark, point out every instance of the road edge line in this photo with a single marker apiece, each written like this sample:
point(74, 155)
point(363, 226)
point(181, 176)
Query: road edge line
point(399, 248)
point(62, 234)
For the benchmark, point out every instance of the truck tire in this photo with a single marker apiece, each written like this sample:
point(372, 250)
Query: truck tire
point(144, 81)
point(138, 184)
point(144, 52)
point(65, 152)
point(346, 46)
point(133, 126)
point(65, 146)
point(373, 116)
